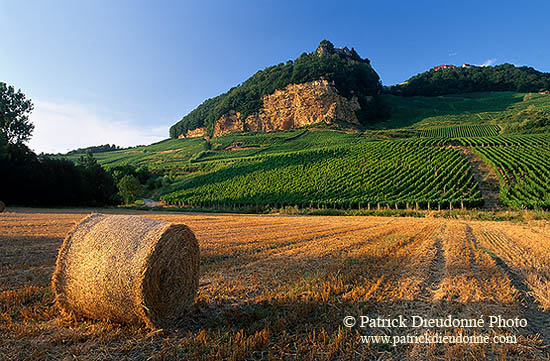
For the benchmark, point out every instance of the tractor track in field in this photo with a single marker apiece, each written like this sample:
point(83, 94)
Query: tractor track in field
point(437, 267)
point(538, 320)
point(289, 243)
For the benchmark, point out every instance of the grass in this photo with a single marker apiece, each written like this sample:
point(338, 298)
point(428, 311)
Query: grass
point(448, 109)
point(497, 108)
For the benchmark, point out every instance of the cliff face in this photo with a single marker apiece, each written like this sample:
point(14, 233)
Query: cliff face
point(325, 85)
point(295, 106)
point(228, 123)
point(199, 132)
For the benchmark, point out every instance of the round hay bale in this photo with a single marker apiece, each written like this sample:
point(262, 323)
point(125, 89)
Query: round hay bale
point(127, 269)
point(2, 206)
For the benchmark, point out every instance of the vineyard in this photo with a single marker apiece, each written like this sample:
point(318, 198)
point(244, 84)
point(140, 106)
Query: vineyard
point(414, 160)
point(534, 140)
point(390, 174)
point(461, 131)
point(413, 172)
point(524, 174)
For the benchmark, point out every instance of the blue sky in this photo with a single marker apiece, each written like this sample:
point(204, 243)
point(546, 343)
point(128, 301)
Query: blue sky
point(124, 71)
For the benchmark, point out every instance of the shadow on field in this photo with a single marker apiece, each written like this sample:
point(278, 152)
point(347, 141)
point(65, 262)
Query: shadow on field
point(303, 315)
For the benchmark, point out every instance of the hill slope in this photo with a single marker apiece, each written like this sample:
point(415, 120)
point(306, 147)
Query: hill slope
point(413, 159)
point(514, 112)
point(410, 117)
point(326, 85)
point(449, 79)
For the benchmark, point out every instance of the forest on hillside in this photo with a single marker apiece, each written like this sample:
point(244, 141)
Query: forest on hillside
point(469, 79)
point(351, 74)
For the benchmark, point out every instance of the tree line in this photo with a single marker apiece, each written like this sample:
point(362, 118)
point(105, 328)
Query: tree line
point(455, 80)
point(96, 149)
point(29, 180)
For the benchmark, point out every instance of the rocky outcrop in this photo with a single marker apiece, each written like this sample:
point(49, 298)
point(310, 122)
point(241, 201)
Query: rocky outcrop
point(229, 123)
point(198, 132)
point(326, 48)
point(297, 105)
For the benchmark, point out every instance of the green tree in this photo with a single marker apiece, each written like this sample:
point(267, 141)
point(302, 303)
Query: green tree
point(40, 181)
point(129, 188)
point(98, 185)
point(15, 108)
point(352, 76)
point(505, 77)
point(3, 147)
point(143, 174)
point(87, 161)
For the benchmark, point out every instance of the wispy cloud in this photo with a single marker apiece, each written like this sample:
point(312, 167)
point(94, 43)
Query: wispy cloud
point(60, 127)
point(489, 62)
point(454, 53)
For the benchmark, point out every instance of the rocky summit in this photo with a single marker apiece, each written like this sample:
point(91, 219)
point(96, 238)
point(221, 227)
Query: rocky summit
point(328, 86)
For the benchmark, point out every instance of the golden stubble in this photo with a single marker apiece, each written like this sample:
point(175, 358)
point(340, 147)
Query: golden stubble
point(278, 287)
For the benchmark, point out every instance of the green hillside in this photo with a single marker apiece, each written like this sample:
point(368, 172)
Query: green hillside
point(410, 159)
point(362, 175)
point(514, 112)
point(451, 79)
point(420, 171)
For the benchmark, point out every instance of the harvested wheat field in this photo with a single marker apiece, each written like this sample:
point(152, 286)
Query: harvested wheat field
point(280, 288)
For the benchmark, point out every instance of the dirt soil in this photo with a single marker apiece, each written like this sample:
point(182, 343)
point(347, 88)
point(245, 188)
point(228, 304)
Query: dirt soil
point(486, 177)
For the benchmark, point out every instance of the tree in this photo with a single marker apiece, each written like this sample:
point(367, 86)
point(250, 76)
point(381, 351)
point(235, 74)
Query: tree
point(129, 188)
point(505, 77)
point(15, 108)
point(143, 174)
point(87, 161)
point(98, 185)
point(27, 179)
point(3, 147)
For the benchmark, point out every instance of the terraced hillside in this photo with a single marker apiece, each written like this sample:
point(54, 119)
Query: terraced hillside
point(462, 131)
point(412, 160)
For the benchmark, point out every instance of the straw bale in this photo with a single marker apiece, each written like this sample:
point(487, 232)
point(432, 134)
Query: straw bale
point(127, 269)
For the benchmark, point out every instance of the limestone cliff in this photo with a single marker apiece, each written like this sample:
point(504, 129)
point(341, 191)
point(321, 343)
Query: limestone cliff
point(297, 105)
point(228, 123)
point(327, 85)
point(199, 132)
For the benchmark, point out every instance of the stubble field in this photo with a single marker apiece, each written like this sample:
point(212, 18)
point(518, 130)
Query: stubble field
point(279, 287)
